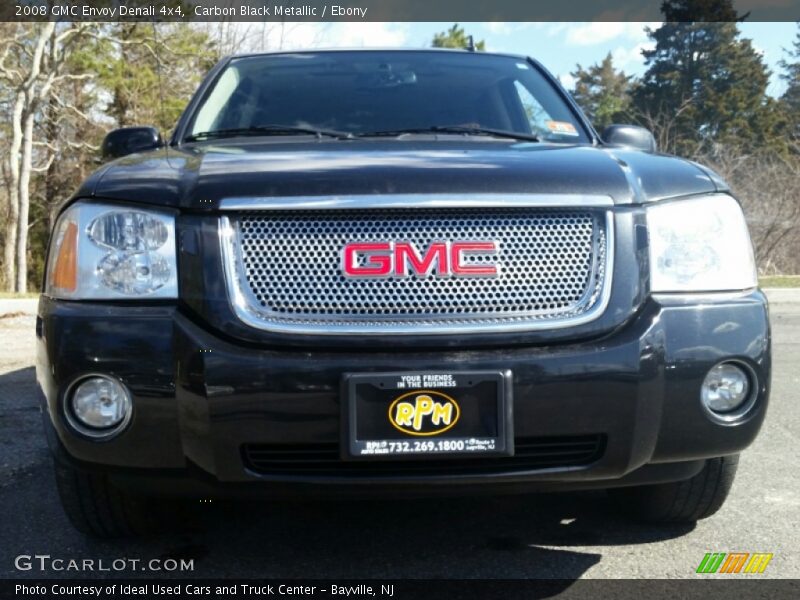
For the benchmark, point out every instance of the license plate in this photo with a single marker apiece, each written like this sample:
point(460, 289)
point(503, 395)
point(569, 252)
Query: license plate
point(419, 414)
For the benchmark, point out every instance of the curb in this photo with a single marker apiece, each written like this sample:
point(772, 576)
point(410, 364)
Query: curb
point(15, 306)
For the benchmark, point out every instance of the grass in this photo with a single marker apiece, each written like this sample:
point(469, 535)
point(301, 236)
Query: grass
point(779, 281)
point(14, 295)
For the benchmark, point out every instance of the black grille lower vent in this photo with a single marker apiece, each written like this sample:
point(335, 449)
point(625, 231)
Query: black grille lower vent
point(323, 459)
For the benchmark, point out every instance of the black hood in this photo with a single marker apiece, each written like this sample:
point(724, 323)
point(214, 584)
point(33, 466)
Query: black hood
point(199, 176)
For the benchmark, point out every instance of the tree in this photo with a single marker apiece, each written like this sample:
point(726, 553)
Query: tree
point(455, 37)
point(55, 82)
point(603, 93)
point(151, 71)
point(703, 82)
point(32, 61)
point(70, 129)
point(768, 185)
point(791, 75)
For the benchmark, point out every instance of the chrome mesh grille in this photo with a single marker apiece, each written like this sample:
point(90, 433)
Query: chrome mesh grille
point(287, 267)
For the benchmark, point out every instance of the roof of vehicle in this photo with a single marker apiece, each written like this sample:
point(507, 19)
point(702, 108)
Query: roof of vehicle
point(319, 50)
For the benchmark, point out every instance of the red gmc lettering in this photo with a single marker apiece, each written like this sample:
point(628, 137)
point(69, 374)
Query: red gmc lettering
point(405, 253)
point(402, 259)
point(457, 251)
point(379, 259)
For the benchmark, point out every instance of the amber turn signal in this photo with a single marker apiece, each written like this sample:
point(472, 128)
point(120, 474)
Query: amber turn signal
point(65, 273)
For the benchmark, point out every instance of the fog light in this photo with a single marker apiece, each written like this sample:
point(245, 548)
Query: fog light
point(99, 406)
point(726, 388)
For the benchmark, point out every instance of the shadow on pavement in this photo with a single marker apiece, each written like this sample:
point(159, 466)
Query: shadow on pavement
point(505, 537)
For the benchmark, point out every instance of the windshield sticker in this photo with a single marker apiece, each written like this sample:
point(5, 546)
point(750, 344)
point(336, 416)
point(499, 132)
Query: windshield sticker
point(562, 128)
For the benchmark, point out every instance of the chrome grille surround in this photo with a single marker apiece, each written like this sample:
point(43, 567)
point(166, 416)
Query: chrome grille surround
point(282, 260)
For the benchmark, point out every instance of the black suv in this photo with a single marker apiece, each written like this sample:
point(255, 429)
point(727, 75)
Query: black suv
point(397, 272)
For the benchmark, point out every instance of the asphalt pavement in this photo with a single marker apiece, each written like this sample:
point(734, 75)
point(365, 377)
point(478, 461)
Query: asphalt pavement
point(571, 536)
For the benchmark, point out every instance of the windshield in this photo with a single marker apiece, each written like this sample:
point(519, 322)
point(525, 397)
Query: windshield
point(368, 92)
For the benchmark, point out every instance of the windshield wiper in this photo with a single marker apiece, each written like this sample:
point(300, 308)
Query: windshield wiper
point(268, 130)
point(463, 129)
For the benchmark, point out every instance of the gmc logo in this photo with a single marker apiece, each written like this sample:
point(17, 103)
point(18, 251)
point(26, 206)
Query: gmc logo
point(402, 259)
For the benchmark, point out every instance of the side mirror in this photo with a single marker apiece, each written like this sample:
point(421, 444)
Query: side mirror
point(631, 136)
point(128, 140)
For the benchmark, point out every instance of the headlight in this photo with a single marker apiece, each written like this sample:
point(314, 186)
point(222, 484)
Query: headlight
point(102, 251)
point(700, 245)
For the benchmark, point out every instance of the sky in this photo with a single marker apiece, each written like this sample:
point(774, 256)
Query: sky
point(558, 46)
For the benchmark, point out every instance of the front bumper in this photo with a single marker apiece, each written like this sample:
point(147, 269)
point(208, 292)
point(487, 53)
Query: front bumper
point(202, 402)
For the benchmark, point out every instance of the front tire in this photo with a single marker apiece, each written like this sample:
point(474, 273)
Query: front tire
point(681, 501)
point(97, 508)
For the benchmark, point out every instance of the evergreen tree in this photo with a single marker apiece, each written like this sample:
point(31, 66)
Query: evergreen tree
point(704, 83)
point(455, 37)
point(791, 75)
point(141, 64)
point(603, 93)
